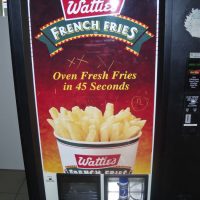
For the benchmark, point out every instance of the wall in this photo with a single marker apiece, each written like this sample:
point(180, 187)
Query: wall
point(10, 146)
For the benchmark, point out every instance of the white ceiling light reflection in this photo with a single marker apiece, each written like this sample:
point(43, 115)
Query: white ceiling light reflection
point(114, 4)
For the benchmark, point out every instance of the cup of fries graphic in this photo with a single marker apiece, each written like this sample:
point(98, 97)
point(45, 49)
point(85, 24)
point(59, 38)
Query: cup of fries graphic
point(90, 141)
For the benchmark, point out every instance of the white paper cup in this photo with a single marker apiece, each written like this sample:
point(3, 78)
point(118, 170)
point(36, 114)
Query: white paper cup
point(98, 157)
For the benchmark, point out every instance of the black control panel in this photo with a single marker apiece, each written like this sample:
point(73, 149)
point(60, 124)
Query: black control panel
point(176, 173)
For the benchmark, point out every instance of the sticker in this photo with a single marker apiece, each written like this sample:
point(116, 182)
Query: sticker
point(191, 111)
point(194, 55)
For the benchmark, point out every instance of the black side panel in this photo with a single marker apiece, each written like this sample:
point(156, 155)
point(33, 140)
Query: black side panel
point(180, 163)
point(21, 60)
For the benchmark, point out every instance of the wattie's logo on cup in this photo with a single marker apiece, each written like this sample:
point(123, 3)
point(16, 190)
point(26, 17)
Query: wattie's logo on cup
point(97, 162)
point(76, 9)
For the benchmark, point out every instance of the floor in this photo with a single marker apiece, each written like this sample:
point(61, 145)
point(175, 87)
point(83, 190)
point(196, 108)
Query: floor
point(13, 185)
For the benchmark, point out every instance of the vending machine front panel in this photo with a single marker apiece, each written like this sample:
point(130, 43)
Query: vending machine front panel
point(85, 78)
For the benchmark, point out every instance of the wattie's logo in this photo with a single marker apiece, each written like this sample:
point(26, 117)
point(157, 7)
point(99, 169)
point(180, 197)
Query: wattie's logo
point(96, 162)
point(76, 9)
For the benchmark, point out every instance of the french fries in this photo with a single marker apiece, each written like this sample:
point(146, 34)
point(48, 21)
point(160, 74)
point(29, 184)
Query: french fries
point(91, 125)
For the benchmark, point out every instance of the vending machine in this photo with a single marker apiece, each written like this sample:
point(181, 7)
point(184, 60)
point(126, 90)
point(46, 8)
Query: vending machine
point(108, 96)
